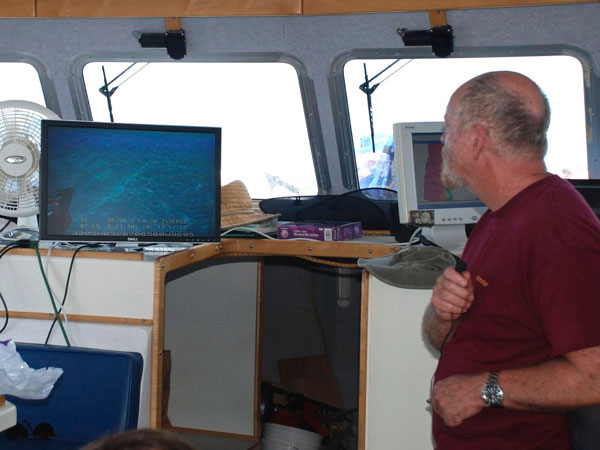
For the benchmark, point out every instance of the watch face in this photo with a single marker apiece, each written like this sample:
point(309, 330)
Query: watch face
point(491, 393)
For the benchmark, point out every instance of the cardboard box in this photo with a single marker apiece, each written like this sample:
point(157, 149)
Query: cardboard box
point(326, 231)
point(311, 376)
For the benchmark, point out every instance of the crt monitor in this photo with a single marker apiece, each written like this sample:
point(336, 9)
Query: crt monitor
point(115, 182)
point(422, 198)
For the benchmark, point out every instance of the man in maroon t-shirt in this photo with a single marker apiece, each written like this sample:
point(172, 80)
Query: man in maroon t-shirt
point(519, 329)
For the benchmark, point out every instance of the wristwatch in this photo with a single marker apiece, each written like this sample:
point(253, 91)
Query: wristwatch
point(491, 393)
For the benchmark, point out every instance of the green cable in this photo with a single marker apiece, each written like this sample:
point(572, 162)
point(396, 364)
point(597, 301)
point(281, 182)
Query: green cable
point(37, 252)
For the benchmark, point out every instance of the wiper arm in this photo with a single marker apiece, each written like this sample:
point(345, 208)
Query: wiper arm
point(368, 89)
point(104, 88)
point(108, 93)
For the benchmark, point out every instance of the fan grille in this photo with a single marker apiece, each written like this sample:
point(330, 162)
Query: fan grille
point(20, 129)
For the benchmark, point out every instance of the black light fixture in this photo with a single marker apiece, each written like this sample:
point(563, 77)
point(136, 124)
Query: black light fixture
point(440, 38)
point(172, 40)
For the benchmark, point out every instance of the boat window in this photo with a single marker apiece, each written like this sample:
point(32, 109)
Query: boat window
point(258, 105)
point(418, 90)
point(20, 81)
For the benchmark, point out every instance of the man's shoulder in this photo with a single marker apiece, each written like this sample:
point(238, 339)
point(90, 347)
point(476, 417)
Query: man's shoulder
point(562, 215)
point(556, 199)
point(551, 215)
point(568, 204)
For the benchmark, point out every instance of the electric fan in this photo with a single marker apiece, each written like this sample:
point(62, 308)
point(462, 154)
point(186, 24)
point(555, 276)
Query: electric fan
point(20, 141)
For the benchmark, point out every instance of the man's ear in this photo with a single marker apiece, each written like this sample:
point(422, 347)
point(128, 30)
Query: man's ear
point(479, 137)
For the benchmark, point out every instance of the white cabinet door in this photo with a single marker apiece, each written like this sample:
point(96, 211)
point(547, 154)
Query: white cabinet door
point(211, 328)
point(399, 369)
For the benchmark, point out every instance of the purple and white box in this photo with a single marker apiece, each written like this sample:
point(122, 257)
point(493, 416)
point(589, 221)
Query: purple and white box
point(326, 231)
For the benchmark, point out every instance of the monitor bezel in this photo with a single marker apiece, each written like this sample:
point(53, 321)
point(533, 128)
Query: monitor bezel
point(128, 239)
point(407, 186)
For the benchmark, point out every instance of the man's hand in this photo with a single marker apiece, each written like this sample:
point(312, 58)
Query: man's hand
point(452, 294)
point(458, 397)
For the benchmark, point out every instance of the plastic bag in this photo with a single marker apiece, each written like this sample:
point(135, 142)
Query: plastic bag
point(20, 380)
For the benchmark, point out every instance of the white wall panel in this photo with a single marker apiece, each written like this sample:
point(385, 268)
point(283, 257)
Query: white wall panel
point(98, 286)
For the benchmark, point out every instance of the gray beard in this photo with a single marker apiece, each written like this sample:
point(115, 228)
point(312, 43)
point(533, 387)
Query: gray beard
point(449, 178)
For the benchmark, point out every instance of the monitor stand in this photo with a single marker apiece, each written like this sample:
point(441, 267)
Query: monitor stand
point(451, 237)
point(167, 247)
point(121, 246)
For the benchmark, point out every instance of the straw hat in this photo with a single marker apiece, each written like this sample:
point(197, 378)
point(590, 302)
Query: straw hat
point(236, 207)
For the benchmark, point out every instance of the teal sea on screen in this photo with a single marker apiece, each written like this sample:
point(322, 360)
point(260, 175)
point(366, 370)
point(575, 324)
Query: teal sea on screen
point(124, 182)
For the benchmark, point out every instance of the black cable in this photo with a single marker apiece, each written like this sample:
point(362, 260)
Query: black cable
point(5, 225)
point(62, 303)
point(34, 245)
point(5, 306)
point(16, 244)
point(444, 342)
point(5, 314)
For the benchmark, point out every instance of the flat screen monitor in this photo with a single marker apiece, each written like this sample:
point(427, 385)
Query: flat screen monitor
point(422, 198)
point(115, 182)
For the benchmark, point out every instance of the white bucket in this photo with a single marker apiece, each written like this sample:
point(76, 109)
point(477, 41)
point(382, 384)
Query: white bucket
point(282, 437)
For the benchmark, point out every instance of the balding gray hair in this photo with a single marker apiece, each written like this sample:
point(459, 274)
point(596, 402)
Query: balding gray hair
point(514, 124)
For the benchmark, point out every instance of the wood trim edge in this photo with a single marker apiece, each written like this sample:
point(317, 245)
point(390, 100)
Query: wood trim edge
point(258, 348)
point(215, 433)
point(160, 8)
point(157, 346)
point(363, 373)
point(326, 7)
point(241, 8)
point(18, 9)
point(79, 318)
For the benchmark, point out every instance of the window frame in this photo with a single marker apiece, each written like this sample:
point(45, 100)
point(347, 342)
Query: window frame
point(48, 88)
point(306, 85)
point(341, 113)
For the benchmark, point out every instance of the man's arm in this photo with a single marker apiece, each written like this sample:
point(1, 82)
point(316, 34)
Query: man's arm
point(452, 295)
point(437, 331)
point(567, 382)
